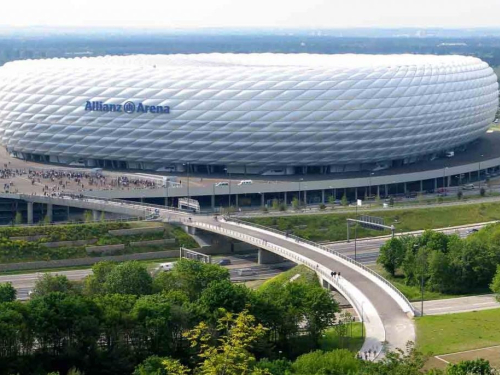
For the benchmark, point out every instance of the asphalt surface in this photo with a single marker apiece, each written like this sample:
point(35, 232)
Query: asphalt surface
point(458, 305)
point(24, 283)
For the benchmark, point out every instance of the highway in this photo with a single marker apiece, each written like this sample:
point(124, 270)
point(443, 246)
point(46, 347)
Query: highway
point(23, 283)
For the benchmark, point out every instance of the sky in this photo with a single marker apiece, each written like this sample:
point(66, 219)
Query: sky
point(189, 14)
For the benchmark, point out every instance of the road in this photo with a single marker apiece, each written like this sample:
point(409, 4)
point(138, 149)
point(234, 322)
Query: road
point(367, 250)
point(23, 283)
point(458, 305)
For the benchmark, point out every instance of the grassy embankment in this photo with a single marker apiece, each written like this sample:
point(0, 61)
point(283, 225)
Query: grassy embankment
point(441, 334)
point(332, 227)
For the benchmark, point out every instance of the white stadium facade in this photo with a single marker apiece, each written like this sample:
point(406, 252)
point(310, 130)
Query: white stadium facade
point(245, 113)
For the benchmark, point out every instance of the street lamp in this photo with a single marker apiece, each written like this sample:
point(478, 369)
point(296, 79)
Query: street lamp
point(362, 319)
point(187, 169)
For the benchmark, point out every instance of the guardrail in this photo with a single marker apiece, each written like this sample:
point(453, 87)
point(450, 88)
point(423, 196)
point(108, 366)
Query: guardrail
point(346, 258)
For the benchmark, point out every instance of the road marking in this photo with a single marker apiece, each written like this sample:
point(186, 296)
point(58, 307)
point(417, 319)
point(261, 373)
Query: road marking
point(469, 351)
point(441, 359)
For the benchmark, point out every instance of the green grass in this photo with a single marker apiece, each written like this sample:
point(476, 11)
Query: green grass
point(332, 227)
point(307, 276)
point(441, 334)
point(331, 341)
point(149, 263)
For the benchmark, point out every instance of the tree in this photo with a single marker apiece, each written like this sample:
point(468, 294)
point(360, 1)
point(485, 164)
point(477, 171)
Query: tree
point(64, 323)
point(129, 278)
point(473, 367)
point(331, 199)
point(343, 201)
point(495, 283)
point(152, 314)
point(391, 255)
point(46, 220)
point(87, 216)
point(275, 204)
point(322, 206)
point(103, 217)
point(192, 277)
point(18, 219)
point(223, 294)
point(391, 201)
point(482, 192)
point(231, 355)
point(336, 362)
point(460, 195)
point(295, 203)
point(94, 283)
point(7, 292)
point(49, 283)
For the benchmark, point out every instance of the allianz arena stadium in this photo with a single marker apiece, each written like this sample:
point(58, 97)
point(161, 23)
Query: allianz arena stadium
point(250, 113)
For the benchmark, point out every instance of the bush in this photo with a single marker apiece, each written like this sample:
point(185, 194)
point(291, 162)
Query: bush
point(482, 192)
point(322, 206)
point(460, 195)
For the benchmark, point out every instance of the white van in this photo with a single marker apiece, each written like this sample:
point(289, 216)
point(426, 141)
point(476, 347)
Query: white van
point(469, 187)
point(222, 183)
point(246, 272)
point(245, 182)
point(165, 267)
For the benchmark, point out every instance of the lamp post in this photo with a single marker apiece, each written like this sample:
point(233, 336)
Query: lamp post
point(445, 183)
point(187, 171)
point(356, 235)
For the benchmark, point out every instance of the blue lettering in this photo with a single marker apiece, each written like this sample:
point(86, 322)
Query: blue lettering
point(88, 106)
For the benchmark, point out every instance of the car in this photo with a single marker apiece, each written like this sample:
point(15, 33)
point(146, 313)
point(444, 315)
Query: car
point(471, 231)
point(245, 182)
point(469, 187)
point(224, 262)
point(246, 272)
point(222, 183)
point(165, 267)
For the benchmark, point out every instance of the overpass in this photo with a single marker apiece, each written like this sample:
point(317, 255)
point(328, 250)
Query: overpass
point(387, 314)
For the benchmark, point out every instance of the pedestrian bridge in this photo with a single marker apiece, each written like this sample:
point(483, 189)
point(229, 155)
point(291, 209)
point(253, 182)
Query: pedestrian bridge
point(385, 311)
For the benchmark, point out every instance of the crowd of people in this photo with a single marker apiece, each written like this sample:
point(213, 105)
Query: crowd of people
point(52, 182)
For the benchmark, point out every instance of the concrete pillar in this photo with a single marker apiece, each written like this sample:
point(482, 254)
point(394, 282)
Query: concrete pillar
point(95, 215)
point(334, 193)
point(448, 183)
point(49, 212)
point(323, 196)
point(286, 200)
point(213, 202)
point(435, 184)
point(386, 190)
point(142, 200)
point(378, 191)
point(305, 197)
point(421, 186)
point(237, 204)
point(404, 187)
point(30, 212)
point(267, 257)
point(356, 193)
point(262, 200)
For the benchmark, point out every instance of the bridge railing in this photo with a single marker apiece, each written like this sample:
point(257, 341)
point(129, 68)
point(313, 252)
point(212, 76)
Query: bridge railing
point(331, 251)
